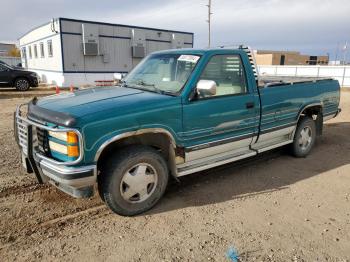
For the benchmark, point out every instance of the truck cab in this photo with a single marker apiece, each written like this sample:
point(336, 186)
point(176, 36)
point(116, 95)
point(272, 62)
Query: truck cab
point(178, 112)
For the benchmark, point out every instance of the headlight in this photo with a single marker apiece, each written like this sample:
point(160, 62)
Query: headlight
point(65, 143)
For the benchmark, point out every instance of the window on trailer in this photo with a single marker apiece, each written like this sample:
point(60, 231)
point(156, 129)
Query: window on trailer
point(49, 48)
point(30, 52)
point(42, 52)
point(35, 51)
point(23, 51)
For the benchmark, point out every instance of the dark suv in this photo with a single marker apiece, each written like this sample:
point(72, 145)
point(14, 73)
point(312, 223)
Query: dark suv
point(22, 80)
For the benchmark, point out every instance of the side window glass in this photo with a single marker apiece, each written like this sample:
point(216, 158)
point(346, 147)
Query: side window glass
point(30, 52)
point(49, 48)
point(228, 74)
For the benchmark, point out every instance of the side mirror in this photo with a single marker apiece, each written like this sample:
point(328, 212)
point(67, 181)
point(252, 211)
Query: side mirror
point(206, 88)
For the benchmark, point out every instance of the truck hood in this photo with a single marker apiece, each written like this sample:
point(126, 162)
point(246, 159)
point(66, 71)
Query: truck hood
point(69, 108)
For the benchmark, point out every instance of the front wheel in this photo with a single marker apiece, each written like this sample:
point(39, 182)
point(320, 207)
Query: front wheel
point(304, 137)
point(133, 180)
point(22, 84)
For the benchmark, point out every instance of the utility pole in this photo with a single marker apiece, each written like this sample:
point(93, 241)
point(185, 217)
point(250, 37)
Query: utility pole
point(345, 50)
point(209, 22)
point(336, 53)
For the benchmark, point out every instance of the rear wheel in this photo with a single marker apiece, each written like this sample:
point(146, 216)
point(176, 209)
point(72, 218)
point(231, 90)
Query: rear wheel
point(22, 84)
point(304, 138)
point(134, 180)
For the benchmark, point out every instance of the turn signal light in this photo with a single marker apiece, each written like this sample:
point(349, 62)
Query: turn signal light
point(72, 138)
point(73, 151)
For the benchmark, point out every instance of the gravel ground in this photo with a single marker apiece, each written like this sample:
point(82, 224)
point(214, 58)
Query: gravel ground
point(270, 208)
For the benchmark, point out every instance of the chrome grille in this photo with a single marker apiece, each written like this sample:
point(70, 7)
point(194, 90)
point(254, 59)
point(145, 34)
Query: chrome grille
point(42, 141)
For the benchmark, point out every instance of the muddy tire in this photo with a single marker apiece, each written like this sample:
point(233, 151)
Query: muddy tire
point(133, 180)
point(304, 137)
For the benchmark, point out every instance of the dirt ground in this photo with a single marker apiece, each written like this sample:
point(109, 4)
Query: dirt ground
point(270, 208)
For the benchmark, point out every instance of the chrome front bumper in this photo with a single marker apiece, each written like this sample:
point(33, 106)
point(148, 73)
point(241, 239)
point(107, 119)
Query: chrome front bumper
point(77, 181)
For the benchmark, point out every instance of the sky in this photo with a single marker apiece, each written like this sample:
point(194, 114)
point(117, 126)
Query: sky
point(315, 27)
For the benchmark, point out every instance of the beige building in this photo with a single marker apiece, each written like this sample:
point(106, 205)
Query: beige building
point(5, 48)
point(266, 57)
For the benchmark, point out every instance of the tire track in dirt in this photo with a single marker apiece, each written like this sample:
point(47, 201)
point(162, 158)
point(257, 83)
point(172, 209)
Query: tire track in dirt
point(95, 210)
point(22, 189)
point(15, 238)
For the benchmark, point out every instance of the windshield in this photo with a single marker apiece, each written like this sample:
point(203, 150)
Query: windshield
point(5, 64)
point(163, 73)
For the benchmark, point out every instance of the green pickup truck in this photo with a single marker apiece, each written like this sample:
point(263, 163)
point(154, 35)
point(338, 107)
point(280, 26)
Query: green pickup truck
point(177, 113)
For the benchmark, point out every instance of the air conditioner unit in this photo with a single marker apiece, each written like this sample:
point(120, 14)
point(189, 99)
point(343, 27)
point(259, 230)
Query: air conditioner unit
point(177, 41)
point(90, 39)
point(138, 51)
point(138, 42)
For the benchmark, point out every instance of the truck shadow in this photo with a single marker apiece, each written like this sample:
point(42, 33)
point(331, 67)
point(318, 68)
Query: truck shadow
point(271, 171)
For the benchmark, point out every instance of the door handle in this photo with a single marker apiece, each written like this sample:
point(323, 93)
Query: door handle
point(250, 105)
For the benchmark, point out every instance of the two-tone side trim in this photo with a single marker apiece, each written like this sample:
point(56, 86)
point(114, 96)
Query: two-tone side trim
point(219, 142)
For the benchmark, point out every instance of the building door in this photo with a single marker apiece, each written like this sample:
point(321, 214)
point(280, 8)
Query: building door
point(282, 60)
point(313, 60)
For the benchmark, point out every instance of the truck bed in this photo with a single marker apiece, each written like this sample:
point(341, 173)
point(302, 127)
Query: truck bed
point(269, 81)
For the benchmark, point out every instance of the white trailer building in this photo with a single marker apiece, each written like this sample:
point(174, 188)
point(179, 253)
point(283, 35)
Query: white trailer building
point(68, 52)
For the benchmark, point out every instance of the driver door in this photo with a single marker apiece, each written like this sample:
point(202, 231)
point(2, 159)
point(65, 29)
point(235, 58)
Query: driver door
point(5, 75)
point(225, 121)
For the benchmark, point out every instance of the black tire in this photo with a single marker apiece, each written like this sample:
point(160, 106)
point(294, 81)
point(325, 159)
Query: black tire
point(22, 84)
point(302, 146)
point(127, 163)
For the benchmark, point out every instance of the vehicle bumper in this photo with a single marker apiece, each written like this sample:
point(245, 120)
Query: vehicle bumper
point(331, 115)
point(338, 112)
point(34, 82)
point(77, 181)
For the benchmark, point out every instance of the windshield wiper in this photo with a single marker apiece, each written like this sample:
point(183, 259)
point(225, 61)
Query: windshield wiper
point(157, 90)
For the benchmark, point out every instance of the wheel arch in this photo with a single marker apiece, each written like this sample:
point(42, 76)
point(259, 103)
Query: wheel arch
point(158, 138)
point(315, 111)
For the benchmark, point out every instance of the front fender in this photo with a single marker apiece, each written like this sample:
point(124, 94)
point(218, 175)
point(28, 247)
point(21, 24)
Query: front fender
point(93, 153)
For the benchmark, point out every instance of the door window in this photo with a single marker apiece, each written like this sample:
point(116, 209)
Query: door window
point(3, 68)
point(228, 73)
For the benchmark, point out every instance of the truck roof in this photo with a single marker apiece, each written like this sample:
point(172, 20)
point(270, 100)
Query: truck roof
point(223, 50)
point(198, 51)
